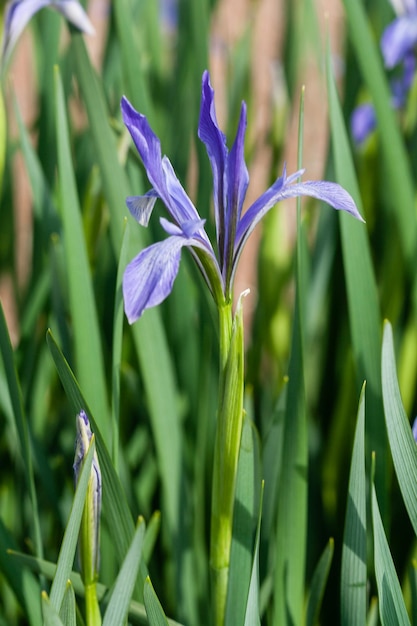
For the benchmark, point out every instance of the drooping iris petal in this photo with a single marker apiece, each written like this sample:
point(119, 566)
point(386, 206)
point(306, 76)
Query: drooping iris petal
point(149, 278)
point(74, 13)
point(331, 193)
point(189, 230)
point(399, 38)
point(19, 13)
point(363, 122)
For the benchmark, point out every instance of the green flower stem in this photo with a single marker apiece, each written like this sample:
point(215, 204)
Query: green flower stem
point(226, 451)
point(92, 609)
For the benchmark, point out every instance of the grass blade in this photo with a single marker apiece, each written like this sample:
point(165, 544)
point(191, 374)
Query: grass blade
point(244, 527)
point(118, 607)
point(364, 314)
point(353, 575)
point(252, 615)
point(401, 440)
point(154, 609)
point(24, 585)
point(392, 609)
point(88, 351)
point(292, 499)
point(68, 608)
point(118, 318)
point(50, 615)
point(7, 356)
point(318, 585)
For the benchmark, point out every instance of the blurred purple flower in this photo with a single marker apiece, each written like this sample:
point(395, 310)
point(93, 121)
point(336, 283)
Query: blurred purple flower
point(149, 278)
point(363, 120)
point(19, 12)
point(400, 37)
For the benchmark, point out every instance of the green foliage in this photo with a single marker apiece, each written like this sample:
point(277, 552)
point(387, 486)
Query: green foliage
point(324, 513)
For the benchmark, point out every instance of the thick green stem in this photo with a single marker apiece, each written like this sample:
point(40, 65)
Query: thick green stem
point(93, 615)
point(226, 452)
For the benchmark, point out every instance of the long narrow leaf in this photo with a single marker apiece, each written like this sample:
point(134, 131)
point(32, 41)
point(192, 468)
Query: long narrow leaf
point(20, 579)
point(401, 440)
point(392, 609)
point(244, 527)
point(88, 352)
point(117, 348)
point(68, 608)
point(50, 614)
point(7, 356)
point(252, 614)
point(364, 314)
point(318, 584)
point(353, 576)
point(154, 609)
point(292, 499)
point(118, 606)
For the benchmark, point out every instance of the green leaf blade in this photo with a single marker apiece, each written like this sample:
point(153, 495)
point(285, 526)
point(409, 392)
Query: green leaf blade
point(354, 552)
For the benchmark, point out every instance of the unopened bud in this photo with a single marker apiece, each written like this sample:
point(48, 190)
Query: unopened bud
point(89, 539)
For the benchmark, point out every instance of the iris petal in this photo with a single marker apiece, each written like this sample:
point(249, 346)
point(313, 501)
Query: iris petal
point(158, 169)
point(141, 207)
point(149, 278)
point(363, 122)
point(331, 193)
point(399, 38)
point(20, 12)
point(237, 172)
point(215, 142)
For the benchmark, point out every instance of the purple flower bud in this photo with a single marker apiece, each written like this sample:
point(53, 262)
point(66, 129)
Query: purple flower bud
point(89, 552)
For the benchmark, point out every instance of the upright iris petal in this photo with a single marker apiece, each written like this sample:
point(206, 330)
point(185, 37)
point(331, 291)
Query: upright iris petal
point(399, 38)
point(149, 278)
point(215, 142)
point(19, 13)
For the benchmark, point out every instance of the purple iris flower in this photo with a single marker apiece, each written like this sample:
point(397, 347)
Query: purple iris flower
point(149, 278)
point(400, 37)
point(363, 120)
point(19, 13)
